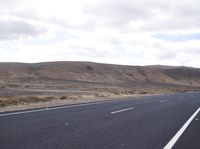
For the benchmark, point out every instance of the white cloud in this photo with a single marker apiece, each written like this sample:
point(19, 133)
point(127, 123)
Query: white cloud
point(109, 31)
point(13, 29)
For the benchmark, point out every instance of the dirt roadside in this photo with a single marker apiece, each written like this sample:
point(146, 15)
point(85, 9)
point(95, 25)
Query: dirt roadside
point(66, 100)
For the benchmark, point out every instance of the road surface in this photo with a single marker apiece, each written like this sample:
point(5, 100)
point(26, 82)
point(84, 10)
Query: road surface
point(167, 121)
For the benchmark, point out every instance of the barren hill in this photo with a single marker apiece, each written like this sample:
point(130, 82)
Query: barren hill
point(25, 85)
point(96, 72)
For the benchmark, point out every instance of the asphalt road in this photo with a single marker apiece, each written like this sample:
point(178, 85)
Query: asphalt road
point(136, 123)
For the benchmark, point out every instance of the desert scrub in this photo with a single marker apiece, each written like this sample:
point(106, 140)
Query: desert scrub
point(20, 100)
point(69, 97)
point(4, 103)
point(143, 92)
point(35, 99)
point(63, 97)
point(102, 95)
point(88, 67)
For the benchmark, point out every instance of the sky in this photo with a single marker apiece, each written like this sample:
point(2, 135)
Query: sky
point(128, 32)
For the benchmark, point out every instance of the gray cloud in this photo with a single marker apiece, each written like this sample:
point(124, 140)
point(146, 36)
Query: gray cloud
point(12, 29)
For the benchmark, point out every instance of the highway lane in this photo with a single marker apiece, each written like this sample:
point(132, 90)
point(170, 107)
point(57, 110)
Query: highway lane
point(148, 122)
point(191, 137)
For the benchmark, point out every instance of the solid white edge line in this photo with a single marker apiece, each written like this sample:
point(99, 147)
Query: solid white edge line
point(171, 143)
point(163, 101)
point(55, 108)
point(122, 110)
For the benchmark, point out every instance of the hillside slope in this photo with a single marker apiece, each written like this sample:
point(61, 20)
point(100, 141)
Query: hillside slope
point(96, 72)
point(37, 85)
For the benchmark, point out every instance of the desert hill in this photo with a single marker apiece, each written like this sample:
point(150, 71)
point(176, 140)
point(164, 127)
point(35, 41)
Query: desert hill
point(24, 85)
point(96, 72)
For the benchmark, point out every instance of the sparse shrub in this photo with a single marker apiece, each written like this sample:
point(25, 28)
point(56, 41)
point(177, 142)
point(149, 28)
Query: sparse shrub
point(4, 103)
point(72, 97)
point(27, 86)
point(88, 67)
point(35, 99)
point(63, 97)
point(19, 100)
point(100, 95)
point(123, 92)
point(143, 92)
point(116, 93)
point(69, 97)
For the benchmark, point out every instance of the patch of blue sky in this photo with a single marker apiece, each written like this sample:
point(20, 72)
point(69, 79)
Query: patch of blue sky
point(177, 38)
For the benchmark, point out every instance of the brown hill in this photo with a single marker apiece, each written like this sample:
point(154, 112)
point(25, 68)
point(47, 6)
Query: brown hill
point(37, 85)
point(96, 72)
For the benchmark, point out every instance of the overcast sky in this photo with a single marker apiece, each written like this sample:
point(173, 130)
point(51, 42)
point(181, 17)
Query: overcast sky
point(133, 32)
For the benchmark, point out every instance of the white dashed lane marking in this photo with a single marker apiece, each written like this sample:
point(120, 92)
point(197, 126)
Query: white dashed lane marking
point(122, 110)
point(163, 101)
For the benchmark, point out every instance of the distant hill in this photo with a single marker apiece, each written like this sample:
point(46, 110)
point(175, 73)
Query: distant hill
point(97, 72)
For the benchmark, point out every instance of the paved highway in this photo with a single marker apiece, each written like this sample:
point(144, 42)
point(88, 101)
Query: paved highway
point(156, 122)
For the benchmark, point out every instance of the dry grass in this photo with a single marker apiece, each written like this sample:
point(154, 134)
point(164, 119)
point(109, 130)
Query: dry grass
point(67, 97)
point(29, 101)
point(9, 101)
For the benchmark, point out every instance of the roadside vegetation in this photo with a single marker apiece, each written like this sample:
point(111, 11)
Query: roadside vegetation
point(70, 98)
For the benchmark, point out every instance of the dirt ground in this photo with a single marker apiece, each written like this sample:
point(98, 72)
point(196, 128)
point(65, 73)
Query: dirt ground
point(28, 95)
